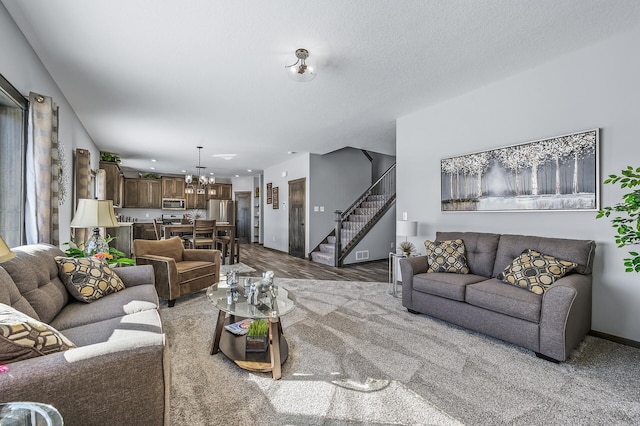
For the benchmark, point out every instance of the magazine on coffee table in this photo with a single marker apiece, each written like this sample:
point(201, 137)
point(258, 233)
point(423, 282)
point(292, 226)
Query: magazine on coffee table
point(239, 328)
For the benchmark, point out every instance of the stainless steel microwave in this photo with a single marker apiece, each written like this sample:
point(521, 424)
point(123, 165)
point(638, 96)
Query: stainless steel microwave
point(174, 204)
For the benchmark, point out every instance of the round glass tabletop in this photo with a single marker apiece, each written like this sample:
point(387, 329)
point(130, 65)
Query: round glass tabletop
point(284, 303)
point(29, 413)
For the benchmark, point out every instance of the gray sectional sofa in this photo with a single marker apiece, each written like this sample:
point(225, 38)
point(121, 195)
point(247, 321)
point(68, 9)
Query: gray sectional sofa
point(550, 324)
point(119, 372)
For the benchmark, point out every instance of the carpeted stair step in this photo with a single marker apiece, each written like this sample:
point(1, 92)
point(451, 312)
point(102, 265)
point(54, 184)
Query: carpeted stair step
point(380, 197)
point(331, 239)
point(372, 204)
point(321, 257)
point(328, 248)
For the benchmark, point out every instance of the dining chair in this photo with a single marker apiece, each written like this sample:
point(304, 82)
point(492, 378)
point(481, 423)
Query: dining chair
point(204, 234)
point(223, 243)
point(156, 228)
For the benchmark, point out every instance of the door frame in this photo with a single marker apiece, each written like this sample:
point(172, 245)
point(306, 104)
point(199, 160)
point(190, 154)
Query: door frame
point(304, 215)
point(237, 205)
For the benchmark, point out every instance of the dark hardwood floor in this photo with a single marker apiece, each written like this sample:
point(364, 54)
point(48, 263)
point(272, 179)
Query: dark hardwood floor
point(285, 266)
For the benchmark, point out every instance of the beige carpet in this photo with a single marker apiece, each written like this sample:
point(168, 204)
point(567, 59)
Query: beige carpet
point(358, 358)
point(240, 267)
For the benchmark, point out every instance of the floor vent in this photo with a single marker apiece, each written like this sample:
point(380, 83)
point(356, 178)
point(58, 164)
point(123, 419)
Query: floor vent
point(362, 255)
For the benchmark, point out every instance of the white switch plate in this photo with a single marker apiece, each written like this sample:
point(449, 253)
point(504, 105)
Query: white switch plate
point(316, 208)
point(404, 216)
point(321, 208)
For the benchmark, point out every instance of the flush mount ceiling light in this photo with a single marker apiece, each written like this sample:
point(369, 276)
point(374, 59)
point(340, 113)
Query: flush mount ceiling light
point(301, 71)
point(224, 156)
point(201, 180)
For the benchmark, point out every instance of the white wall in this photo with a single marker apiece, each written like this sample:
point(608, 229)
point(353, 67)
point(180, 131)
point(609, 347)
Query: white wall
point(337, 179)
point(276, 221)
point(598, 86)
point(23, 69)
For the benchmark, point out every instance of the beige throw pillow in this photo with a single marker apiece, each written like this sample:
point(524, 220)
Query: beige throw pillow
point(447, 256)
point(88, 278)
point(535, 271)
point(22, 337)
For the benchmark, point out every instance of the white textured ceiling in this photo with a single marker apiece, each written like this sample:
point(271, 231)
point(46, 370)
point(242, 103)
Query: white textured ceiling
point(155, 78)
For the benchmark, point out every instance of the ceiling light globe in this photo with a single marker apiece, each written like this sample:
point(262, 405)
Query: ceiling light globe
point(302, 73)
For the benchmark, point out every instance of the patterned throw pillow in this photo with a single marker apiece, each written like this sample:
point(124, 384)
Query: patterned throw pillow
point(535, 271)
point(447, 256)
point(22, 337)
point(88, 278)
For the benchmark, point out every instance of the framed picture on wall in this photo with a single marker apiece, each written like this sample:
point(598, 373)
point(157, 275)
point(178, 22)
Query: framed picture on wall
point(558, 173)
point(275, 198)
point(269, 193)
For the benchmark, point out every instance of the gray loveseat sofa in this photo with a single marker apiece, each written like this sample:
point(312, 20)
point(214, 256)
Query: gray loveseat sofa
point(119, 372)
point(550, 324)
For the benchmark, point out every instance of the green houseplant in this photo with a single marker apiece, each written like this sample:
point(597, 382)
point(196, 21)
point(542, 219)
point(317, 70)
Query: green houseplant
point(257, 340)
point(114, 257)
point(109, 157)
point(627, 219)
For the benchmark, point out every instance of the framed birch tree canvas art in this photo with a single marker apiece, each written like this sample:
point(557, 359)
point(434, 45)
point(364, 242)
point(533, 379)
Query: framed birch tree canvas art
point(559, 173)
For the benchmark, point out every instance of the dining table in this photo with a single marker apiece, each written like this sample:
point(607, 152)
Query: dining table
point(171, 229)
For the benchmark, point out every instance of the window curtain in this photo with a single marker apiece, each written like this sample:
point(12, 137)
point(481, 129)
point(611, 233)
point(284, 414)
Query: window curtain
point(41, 208)
point(82, 185)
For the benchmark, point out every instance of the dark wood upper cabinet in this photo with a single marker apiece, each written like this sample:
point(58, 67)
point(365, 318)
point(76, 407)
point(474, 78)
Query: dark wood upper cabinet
point(219, 191)
point(173, 187)
point(130, 192)
point(225, 191)
point(114, 183)
point(143, 193)
point(196, 201)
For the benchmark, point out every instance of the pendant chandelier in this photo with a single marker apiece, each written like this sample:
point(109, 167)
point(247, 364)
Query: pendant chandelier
point(199, 185)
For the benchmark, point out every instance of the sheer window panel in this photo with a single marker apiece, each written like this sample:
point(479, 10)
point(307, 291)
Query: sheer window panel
point(12, 154)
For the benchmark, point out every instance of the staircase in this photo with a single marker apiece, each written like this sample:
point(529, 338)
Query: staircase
point(357, 221)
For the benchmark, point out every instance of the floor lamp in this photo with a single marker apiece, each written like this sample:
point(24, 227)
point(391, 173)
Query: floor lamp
point(94, 214)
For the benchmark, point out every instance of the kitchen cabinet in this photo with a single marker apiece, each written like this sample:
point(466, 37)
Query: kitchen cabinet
point(143, 193)
point(122, 238)
point(114, 183)
point(219, 191)
point(196, 201)
point(225, 191)
point(130, 192)
point(143, 231)
point(173, 187)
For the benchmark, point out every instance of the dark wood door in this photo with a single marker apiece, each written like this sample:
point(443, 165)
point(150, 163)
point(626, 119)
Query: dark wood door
point(243, 216)
point(297, 202)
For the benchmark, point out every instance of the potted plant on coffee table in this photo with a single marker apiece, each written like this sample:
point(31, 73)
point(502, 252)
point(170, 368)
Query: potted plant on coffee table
point(257, 336)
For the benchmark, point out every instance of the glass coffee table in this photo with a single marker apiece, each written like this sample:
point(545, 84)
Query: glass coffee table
point(234, 346)
point(29, 413)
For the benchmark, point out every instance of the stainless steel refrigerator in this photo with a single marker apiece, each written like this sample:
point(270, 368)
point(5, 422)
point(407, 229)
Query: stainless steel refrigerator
point(222, 211)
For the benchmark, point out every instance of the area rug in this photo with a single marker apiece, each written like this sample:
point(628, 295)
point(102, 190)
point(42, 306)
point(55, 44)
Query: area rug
point(357, 357)
point(240, 267)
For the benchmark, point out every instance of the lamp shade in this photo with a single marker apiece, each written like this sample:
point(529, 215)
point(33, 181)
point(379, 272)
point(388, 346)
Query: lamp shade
point(405, 228)
point(93, 214)
point(5, 252)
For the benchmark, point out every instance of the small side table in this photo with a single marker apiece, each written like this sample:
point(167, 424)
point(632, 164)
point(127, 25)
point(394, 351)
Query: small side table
point(393, 272)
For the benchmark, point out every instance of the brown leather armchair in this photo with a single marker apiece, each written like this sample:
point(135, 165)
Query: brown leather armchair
point(178, 271)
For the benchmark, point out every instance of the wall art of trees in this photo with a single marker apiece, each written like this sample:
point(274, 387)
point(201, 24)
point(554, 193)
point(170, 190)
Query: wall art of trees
point(559, 173)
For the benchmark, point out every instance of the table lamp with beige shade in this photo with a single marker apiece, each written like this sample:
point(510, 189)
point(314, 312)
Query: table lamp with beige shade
point(5, 252)
point(406, 228)
point(94, 214)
